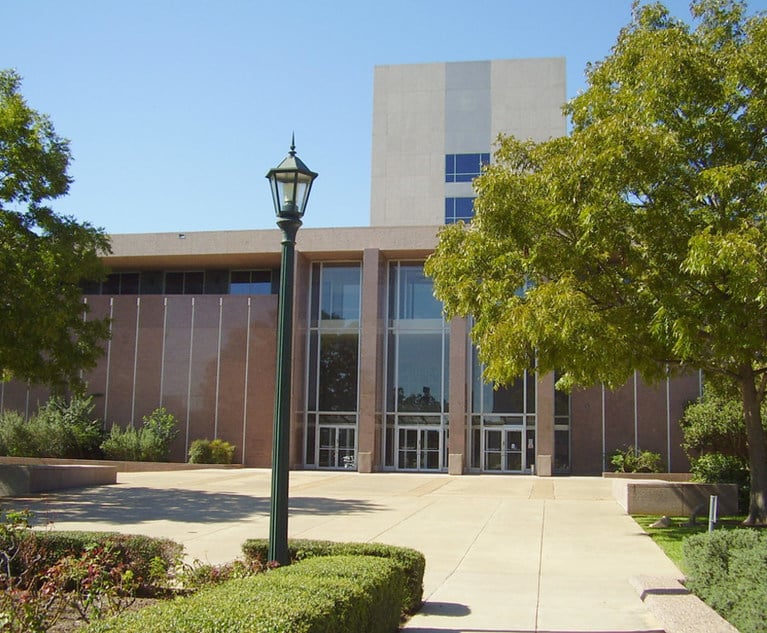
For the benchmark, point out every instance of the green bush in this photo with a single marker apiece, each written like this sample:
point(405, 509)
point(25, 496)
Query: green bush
point(727, 571)
point(211, 452)
point(61, 428)
point(345, 594)
point(139, 553)
point(634, 460)
point(715, 468)
point(150, 443)
point(411, 562)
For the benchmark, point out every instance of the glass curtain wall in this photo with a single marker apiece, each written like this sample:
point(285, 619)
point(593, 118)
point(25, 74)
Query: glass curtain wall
point(415, 437)
point(503, 422)
point(333, 372)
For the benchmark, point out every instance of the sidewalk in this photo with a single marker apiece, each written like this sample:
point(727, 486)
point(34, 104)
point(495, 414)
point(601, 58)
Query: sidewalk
point(505, 554)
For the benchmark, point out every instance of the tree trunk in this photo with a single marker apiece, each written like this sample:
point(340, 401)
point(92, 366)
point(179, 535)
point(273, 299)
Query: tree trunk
point(757, 449)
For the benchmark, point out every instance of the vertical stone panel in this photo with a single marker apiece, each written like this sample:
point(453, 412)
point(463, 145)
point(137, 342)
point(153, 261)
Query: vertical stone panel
point(96, 379)
point(619, 418)
point(150, 345)
point(119, 395)
point(371, 360)
point(261, 381)
point(458, 388)
point(175, 372)
point(202, 402)
point(684, 389)
point(545, 425)
point(586, 431)
point(231, 392)
point(651, 408)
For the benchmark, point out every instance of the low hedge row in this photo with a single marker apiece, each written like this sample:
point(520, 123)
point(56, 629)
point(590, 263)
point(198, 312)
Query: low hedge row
point(135, 551)
point(411, 561)
point(727, 571)
point(334, 594)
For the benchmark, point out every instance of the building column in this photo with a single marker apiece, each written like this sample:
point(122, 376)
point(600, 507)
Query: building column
point(544, 421)
point(301, 291)
point(458, 388)
point(371, 361)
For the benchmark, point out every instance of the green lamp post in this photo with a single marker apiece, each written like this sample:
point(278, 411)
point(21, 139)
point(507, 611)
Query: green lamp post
point(291, 181)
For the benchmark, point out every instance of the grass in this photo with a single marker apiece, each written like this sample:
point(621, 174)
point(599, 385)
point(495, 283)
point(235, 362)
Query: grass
point(670, 539)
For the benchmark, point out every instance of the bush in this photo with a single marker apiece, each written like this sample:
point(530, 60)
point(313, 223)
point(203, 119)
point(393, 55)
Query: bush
point(411, 561)
point(150, 443)
point(45, 549)
point(345, 594)
point(715, 468)
point(634, 460)
point(211, 452)
point(61, 428)
point(726, 570)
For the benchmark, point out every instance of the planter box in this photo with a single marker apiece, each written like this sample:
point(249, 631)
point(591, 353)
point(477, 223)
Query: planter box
point(22, 479)
point(673, 498)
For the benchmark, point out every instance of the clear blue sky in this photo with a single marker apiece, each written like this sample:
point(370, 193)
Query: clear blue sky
point(176, 109)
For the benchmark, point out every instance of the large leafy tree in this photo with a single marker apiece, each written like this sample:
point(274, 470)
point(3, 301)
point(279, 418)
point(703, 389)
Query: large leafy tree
point(642, 236)
point(45, 336)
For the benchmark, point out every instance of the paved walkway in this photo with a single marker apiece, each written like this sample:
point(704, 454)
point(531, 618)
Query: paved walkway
point(505, 554)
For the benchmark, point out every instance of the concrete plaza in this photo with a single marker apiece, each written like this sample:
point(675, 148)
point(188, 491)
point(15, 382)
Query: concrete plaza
point(505, 554)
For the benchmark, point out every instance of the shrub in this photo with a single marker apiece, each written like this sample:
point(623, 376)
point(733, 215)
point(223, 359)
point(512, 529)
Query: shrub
point(715, 468)
point(634, 460)
point(211, 452)
point(150, 443)
point(61, 428)
point(345, 594)
point(411, 561)
point(726, 570)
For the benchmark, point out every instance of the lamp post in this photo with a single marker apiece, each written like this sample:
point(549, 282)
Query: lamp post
point(291, 181)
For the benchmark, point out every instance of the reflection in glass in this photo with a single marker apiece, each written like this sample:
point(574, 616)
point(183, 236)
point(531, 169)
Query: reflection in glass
point(338, 372)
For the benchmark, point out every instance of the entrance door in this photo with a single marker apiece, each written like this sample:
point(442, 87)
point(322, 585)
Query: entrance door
point(337, 447)
point(503, 450)
point(419, 449)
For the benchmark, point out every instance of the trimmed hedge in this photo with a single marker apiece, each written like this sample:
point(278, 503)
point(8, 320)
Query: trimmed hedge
point(727, 571)
point(411, 561)
point(136, 551)
point(334, 594)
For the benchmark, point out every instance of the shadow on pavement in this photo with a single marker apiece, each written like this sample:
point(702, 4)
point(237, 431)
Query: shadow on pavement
point(137, 505)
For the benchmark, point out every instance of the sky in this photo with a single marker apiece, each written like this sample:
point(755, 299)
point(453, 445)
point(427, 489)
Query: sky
point(176, 109)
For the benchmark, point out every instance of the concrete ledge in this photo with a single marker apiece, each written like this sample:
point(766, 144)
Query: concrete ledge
point(121, 466)
point(643, 476)
point(672, 498)
point(18, 479)
point(676, 608)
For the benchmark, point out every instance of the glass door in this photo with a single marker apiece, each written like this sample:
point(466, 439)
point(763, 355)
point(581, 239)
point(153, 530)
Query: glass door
point(419, 449)
point(337, 447)
point(503, 450)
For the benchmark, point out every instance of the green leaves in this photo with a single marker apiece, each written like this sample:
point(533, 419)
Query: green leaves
point(45, 334)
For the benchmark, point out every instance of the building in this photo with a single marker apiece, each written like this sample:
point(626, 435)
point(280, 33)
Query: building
point(380, 380)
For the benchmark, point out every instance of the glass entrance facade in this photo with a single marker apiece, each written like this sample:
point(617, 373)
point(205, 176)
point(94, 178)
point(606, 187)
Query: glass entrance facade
point(416, 403)
point(503, 424)
point(332, 400)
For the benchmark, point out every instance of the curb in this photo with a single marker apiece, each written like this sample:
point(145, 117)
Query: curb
point(678, 610)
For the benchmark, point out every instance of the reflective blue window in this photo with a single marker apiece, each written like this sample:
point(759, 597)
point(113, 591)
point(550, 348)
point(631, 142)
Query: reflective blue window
point(457, 209)
point(464, 167)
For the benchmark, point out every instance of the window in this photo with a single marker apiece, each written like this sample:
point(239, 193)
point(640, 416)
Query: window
point(184, 283)
point(250, 282)
point(464, 167)
point(333, 366)
point(457, 209)
point(417, 370)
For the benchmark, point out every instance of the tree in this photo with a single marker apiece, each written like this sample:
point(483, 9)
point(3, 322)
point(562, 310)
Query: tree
point(641, 236)
point(45, 336)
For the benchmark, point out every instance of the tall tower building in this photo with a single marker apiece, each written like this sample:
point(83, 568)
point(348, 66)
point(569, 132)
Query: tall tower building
point(434, 125)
